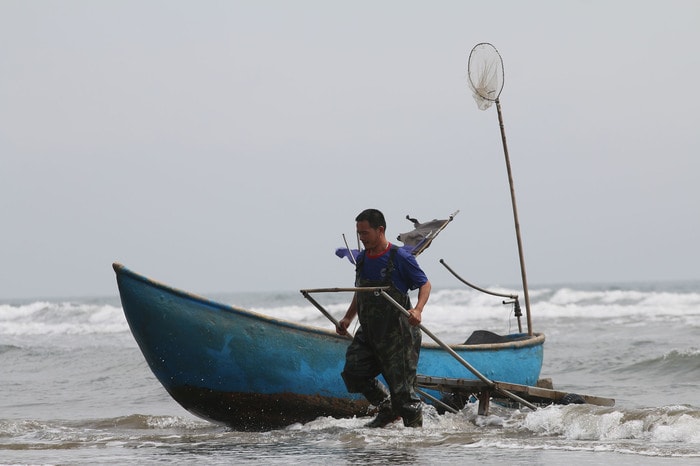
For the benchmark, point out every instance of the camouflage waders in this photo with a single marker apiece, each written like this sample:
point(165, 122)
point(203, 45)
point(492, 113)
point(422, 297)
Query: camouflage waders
point(384, 344)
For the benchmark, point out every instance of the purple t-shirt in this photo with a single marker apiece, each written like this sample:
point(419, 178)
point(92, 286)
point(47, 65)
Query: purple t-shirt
point(407, 273)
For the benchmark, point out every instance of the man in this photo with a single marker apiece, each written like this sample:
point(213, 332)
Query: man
point(387, 341)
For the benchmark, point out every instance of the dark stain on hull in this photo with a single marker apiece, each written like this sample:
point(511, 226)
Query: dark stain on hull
point(259, 412)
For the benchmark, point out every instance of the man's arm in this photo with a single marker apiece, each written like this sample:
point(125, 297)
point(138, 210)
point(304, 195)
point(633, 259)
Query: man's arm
point(417, 311)
point(344, 323)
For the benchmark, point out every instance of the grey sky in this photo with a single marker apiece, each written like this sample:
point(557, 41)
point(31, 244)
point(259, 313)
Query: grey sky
point(227, 146)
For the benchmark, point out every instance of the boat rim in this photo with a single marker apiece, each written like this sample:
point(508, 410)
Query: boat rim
point(534, 340)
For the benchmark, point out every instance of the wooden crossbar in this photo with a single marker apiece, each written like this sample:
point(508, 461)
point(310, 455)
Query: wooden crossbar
point(484, 391)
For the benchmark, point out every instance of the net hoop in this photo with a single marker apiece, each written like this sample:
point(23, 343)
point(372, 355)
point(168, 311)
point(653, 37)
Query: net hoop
point(485, 74)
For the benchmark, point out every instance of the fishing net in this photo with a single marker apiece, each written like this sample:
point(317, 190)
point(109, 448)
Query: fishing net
point(485, 74)
point(486, 82)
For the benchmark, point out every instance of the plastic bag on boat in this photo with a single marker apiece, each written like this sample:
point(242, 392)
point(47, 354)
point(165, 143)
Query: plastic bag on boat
point(351, 254)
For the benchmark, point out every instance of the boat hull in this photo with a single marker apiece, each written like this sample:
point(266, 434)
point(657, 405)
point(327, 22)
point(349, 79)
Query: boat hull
point(252, 372)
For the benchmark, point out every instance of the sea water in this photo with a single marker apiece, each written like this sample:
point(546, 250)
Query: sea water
point(75, 388)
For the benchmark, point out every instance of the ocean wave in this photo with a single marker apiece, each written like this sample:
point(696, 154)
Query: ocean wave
point(683, 365)
point(675, 424)
point(670, 431)
point(447, 310)
point(144, 421)
point(66, 318)
point(561, 302)
point(454, 313)
point(6, 348)
point(28, 434)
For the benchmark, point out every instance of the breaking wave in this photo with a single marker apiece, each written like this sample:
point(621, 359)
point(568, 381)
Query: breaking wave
point(671, 431)
point(67, 318)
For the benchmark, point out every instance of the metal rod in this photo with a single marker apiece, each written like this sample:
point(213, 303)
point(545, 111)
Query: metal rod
point(323, 311)
point(436, 401)
point(492, 293)
point(515, 218)
point(373, 289)
point(514, 297)
point(352, 258)
point(317, 305)
point(459, 358)
point(516, 311)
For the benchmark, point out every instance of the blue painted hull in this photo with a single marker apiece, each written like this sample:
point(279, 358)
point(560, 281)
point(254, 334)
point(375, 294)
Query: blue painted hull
point(252, 372)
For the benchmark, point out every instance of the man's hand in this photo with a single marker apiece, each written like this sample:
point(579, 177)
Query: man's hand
point(343, 324)
point(414, 316)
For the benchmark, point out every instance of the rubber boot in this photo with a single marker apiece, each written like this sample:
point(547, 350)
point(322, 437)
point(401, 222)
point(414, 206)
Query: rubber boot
point(379, 396)
point(412, 414)
point(385, 416)
point(415, 421)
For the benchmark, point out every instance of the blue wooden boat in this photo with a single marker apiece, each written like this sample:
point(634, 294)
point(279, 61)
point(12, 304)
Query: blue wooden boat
point(250, 371)
point(253, 372)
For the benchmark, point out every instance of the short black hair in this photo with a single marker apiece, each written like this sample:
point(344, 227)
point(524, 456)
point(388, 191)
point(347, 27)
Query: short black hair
point(373, 216)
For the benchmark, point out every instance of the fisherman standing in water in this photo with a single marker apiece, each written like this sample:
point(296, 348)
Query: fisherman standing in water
point(387, 342)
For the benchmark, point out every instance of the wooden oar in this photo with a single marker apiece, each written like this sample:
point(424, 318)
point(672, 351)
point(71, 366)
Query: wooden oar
point(468, 386)
point(459, 358)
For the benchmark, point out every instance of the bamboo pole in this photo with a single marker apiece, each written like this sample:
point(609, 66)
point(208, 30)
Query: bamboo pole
point(523, 274)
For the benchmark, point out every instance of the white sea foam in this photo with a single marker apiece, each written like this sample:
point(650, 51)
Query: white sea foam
point(454, 313)
point(47, 318)
point(448, 311)
point(581, 422)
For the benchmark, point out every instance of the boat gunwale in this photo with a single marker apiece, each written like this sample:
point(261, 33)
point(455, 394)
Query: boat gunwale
point(534, 340)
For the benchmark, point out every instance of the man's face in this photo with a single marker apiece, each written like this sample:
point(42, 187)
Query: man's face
point(369, 236)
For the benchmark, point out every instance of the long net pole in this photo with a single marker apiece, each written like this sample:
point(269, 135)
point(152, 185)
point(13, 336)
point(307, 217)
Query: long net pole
point(523, 274)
